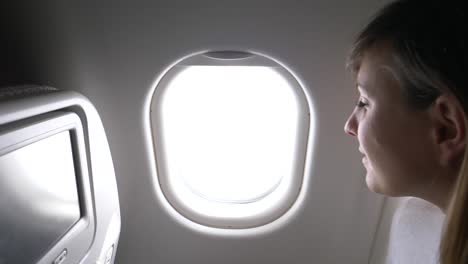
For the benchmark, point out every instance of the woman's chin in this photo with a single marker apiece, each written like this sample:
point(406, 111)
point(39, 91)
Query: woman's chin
point(372, 184)
point(380, 188)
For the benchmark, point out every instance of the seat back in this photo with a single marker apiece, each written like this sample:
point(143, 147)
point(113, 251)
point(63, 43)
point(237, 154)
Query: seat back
point(58, 193)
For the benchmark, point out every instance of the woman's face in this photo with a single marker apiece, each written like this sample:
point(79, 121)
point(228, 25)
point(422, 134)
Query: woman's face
point(394, 140)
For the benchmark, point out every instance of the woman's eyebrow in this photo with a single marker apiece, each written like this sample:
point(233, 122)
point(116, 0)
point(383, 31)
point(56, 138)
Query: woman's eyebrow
point(361, 87)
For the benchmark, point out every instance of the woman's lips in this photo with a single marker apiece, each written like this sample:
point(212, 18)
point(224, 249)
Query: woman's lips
point(364, 158)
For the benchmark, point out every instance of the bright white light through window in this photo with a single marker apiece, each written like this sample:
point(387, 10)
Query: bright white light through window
point(229, 131)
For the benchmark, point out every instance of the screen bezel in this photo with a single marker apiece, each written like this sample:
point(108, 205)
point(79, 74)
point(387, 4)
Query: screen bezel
point(78, 239)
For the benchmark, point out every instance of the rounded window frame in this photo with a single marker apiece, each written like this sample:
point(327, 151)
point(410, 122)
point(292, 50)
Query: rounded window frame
point(274, 204)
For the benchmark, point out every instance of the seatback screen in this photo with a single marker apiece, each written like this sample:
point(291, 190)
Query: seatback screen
point(38, 198)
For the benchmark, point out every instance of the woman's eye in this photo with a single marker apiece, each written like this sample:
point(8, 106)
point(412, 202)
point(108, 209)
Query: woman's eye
point(361, 104)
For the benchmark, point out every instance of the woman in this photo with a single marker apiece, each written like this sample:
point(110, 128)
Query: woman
point(411, 69)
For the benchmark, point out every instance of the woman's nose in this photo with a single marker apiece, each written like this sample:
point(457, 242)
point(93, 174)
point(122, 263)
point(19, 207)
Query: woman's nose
point(351, 125)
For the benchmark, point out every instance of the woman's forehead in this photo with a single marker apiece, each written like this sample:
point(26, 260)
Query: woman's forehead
point(376, 72)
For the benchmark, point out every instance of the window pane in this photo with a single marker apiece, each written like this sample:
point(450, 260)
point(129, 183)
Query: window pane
point(229, 131)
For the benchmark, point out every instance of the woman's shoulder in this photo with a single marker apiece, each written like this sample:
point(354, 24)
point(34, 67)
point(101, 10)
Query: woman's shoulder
point(415, 232)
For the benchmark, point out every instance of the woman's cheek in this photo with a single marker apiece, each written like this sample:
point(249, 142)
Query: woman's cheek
point(363, 136)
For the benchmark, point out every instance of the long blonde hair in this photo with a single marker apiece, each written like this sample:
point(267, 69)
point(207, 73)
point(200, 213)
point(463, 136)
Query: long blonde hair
point(454, 243)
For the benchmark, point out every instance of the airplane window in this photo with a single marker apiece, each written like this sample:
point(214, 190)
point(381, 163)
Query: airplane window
point(230, 139)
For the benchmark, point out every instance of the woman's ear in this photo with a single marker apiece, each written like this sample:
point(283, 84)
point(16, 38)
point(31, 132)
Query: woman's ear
point(449, 129)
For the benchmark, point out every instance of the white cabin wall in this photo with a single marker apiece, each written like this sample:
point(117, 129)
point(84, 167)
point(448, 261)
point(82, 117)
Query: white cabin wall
point(112, 52)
